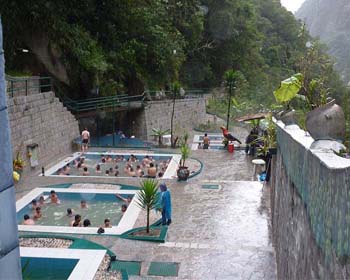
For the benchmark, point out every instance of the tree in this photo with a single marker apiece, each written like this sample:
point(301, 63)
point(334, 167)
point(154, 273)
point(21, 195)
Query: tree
point(231, 80)
point(148, 197)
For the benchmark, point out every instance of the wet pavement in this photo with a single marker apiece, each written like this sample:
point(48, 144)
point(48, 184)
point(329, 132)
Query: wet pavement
point(216, 234)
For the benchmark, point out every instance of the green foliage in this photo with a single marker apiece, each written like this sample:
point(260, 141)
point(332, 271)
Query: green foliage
point(269, 139)
point(185, 153)
point(158, 132)
point(148, 197)
point(289, 88)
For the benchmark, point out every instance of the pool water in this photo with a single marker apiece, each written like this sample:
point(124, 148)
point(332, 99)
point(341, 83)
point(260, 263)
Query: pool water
point(100, 207)
point(212, 137)
point(55, 269)
point(92, 160)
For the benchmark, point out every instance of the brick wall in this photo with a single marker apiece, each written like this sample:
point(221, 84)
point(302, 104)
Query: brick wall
point(41, 119)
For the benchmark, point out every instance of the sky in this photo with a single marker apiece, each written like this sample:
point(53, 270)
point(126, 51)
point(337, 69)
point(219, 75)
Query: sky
point(292, 5)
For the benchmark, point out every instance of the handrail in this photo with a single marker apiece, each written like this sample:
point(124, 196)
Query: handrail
point(28, 85)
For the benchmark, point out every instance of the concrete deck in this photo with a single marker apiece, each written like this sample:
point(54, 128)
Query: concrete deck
point(215, 234)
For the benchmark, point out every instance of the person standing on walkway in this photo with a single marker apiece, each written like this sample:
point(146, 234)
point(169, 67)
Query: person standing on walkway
point(85, 136)
point(166, 204)
point(206, 142)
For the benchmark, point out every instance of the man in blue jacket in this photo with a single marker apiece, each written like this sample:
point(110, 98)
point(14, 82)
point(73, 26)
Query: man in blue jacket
point(166, 204)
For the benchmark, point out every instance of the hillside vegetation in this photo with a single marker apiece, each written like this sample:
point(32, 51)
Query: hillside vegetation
point(130, 45)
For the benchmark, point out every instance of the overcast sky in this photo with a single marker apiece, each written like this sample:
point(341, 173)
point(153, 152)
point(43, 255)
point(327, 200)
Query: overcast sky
point(292, 5)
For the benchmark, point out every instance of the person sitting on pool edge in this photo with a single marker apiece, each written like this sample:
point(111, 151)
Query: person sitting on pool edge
point(28, 221)
point(37, 215)
point(107, 223)
point(54, 198)
point(86, 223)
point(77, 221)
point(152, 171)
point(127, 200)
point(83, 204)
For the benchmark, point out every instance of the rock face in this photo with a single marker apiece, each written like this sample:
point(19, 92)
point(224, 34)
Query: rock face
point(329, 20)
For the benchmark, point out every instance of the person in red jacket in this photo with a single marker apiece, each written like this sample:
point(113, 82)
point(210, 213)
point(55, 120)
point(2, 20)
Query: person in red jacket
point(228, 135)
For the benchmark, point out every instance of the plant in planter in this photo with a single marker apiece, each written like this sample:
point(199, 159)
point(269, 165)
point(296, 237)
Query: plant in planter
point(157, 132)
point(18, 163)
point(183, 173)
point(148, 197)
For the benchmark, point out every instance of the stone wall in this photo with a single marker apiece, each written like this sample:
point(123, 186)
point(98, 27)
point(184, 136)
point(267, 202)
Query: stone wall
point(157, 114)
point(310, 209)
point(41, 119)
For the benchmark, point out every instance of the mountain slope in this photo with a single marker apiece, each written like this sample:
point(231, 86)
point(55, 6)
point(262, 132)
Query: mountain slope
point(329, 20)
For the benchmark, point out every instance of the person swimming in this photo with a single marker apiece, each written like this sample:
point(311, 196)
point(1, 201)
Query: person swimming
point(69, 212)
point(86, 223)
point(54, 198)
point(86, 171)
point(77, 221)
point(124, 208)
point(28, 221)
point(83, 204)
point(34, 204)
point(41, 201)
point(37, 214)
point(107, 223)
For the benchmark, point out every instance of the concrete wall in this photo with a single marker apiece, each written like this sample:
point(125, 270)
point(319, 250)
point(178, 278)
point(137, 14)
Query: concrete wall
point(10, 266)
point(157, 114)
point(41, 119)
point(310, 209)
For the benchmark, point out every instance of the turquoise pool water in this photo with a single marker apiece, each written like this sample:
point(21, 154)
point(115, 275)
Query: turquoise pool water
point(100, 207)
point(116, 164)
point(55, 269)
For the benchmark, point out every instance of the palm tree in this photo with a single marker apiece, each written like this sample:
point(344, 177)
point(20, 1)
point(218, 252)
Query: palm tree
point(148, 197)
point(185, 153)
point(158, 132)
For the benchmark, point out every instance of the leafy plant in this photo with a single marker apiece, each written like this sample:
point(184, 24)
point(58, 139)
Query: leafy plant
point(269, 139)
point(289, 88)
point(158, 132)
point(18, 162)
point(185, 153)
point(148, 197)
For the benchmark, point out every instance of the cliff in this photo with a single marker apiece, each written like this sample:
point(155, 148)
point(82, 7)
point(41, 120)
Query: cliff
point(329, 20)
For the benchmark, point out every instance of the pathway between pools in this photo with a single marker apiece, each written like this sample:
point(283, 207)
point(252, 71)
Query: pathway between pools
point(218, 232)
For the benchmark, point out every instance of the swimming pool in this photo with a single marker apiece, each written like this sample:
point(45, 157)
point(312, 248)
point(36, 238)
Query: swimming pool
point(115, 163)
point(102, 204)
point(60, 263)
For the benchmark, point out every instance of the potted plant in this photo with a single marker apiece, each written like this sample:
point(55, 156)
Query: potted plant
point(148, 197)
point(183, 173)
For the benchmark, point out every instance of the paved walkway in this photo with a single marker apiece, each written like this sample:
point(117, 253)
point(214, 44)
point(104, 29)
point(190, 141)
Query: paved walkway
point(216, 234)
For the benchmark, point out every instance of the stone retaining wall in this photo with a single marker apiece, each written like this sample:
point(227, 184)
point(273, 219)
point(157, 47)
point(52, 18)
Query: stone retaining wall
point(41, 119)
point(157, 114)
point(310, 209)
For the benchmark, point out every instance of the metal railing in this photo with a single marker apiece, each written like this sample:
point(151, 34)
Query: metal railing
point(27, 85)
point(112, 102)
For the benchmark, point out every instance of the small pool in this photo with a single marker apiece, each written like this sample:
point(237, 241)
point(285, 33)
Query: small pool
point(54, 268)
point(60, 263)
point(115, 164)
point(117, 141)
point(101, 204)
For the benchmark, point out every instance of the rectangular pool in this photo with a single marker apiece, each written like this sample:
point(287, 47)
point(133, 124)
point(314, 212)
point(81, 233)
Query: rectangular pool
point(102, 204)
point(114, 163)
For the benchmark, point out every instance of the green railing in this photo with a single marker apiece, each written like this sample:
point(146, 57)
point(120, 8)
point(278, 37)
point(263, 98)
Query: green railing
point(112, 102)
point(27, 85)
